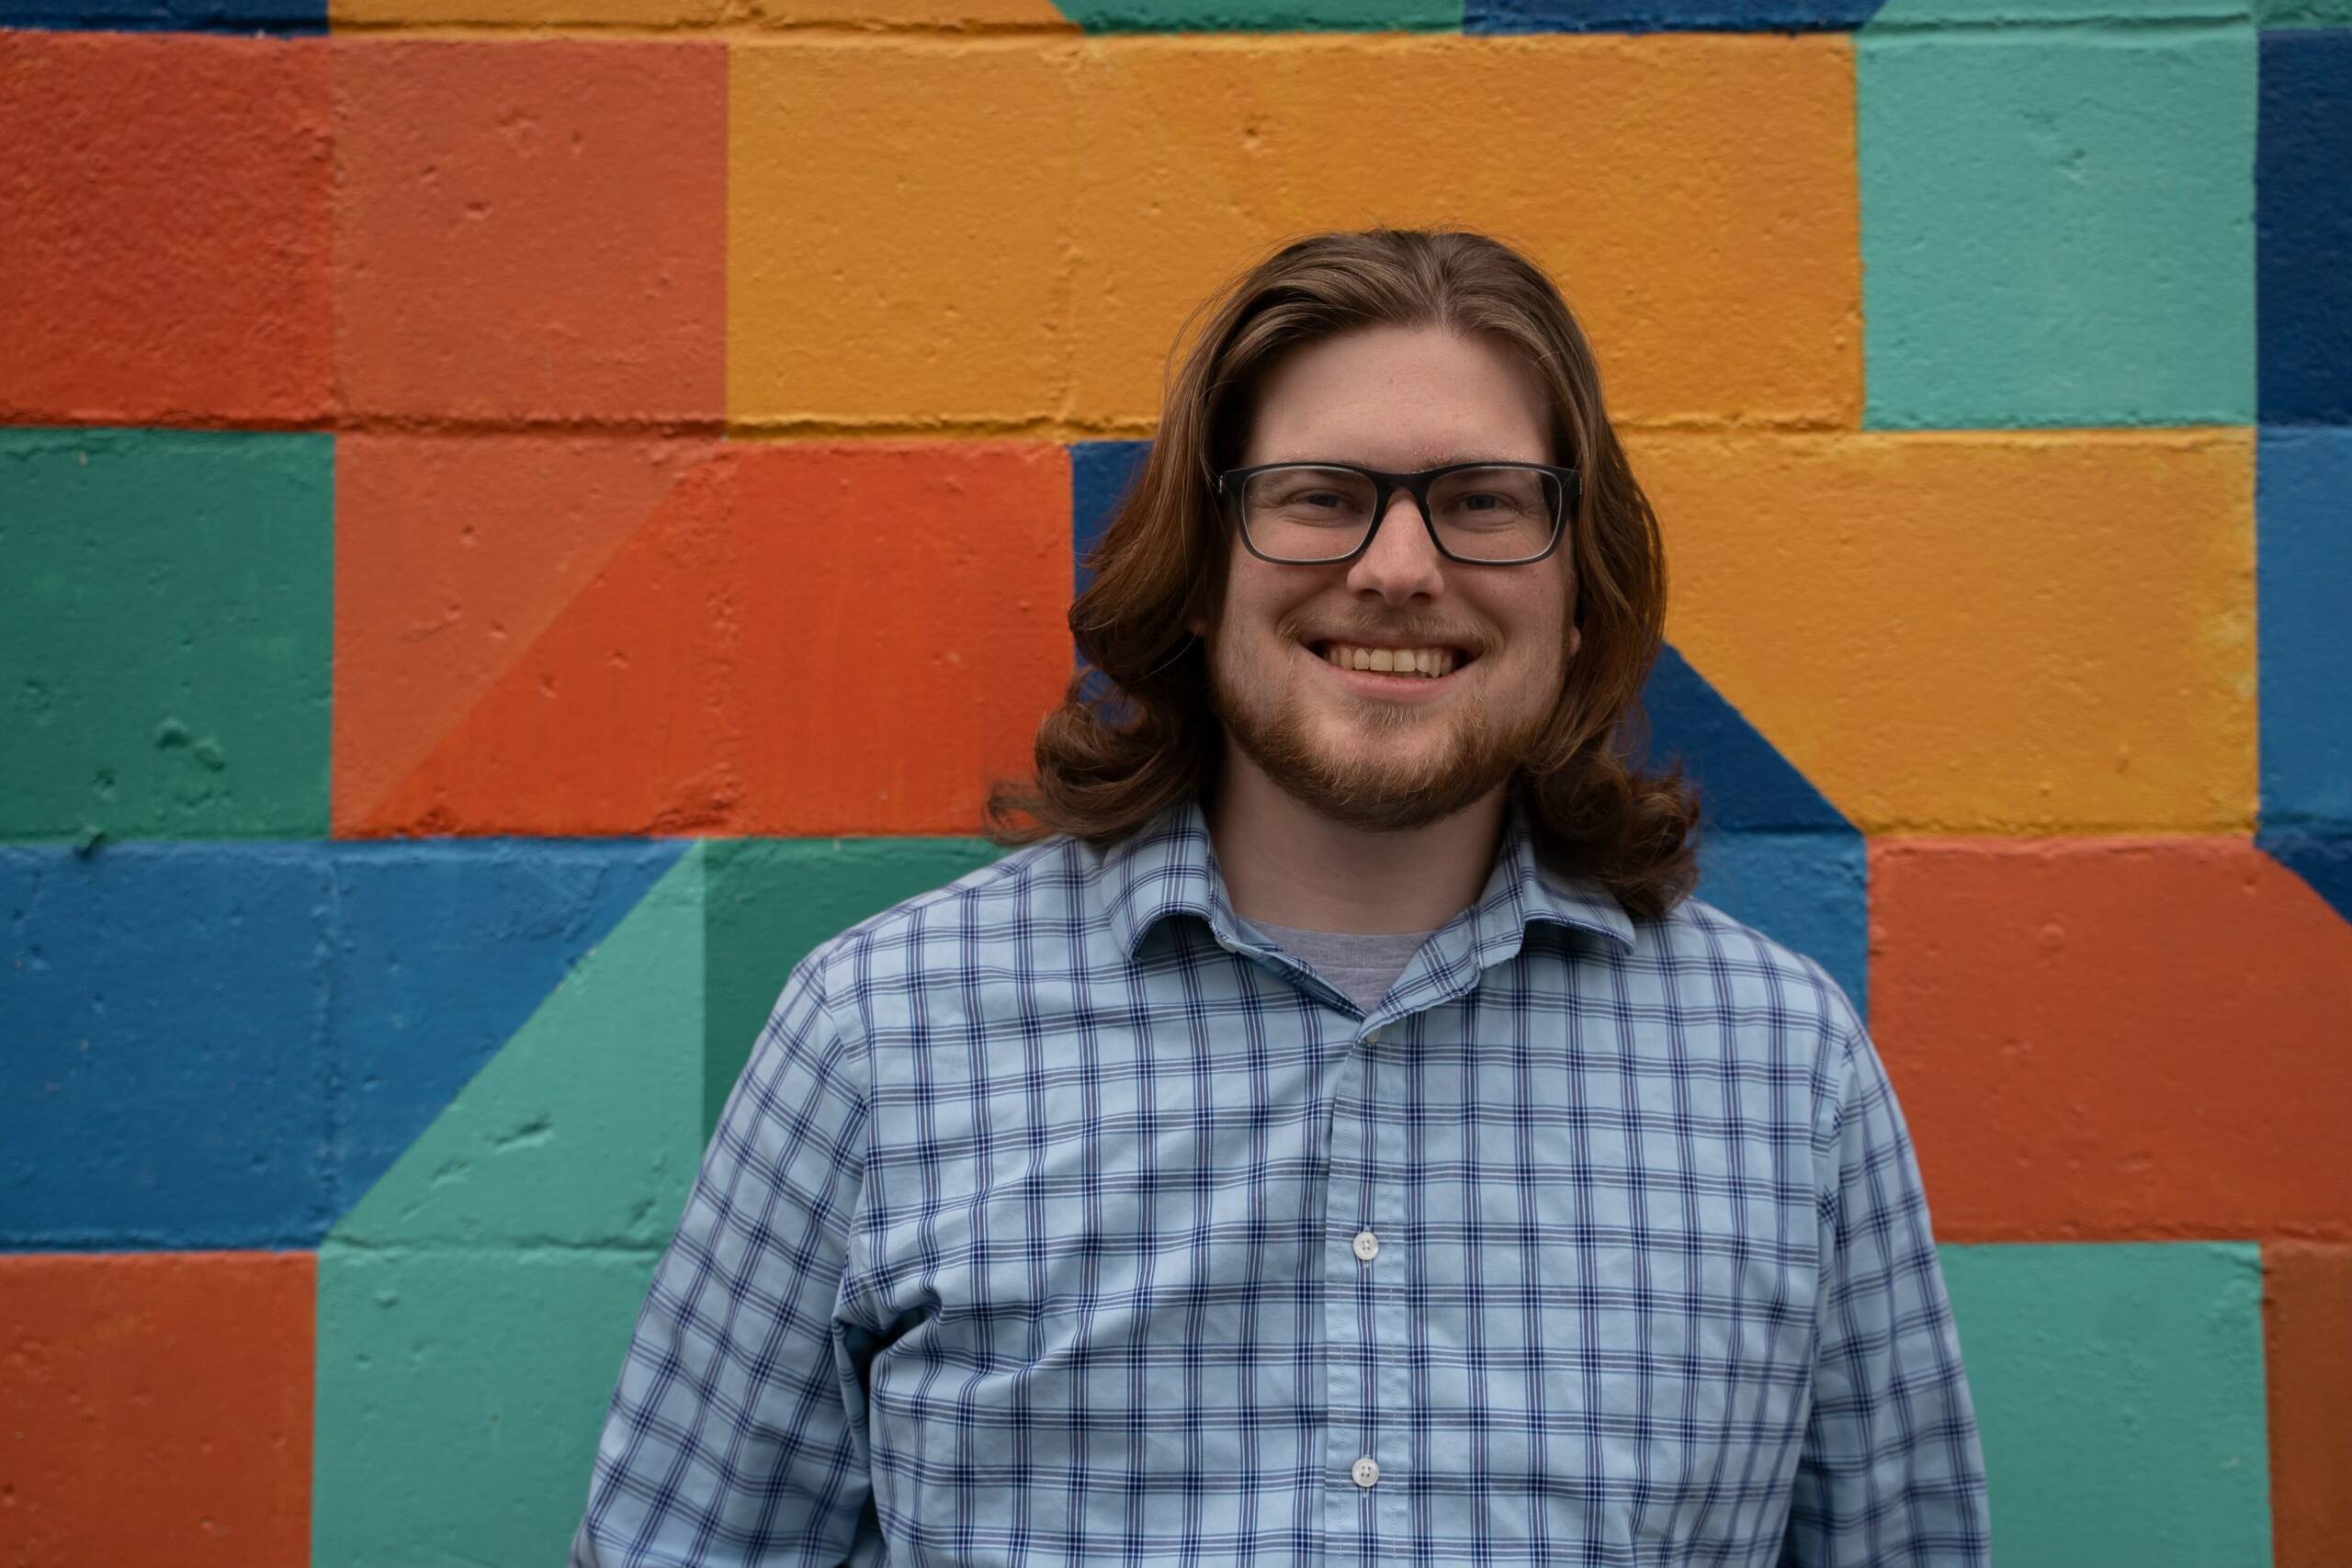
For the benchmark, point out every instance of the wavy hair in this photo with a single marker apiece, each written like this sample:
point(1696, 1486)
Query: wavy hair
point(1113, 757)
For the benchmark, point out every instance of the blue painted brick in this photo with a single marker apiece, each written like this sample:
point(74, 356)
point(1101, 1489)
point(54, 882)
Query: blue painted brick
point(1744, 781)
point(165, 1064)
point(2303, 579)
point(211, 1045)
point(169, 16)
point(1809, 891)
point(1773, 850)
point(2304, 227)
point(1101, 473)
point(443, 950)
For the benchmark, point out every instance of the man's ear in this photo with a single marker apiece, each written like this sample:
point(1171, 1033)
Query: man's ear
point(1576, 640)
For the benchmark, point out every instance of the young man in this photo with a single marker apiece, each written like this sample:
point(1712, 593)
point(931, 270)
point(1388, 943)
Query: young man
point(1338, 1136)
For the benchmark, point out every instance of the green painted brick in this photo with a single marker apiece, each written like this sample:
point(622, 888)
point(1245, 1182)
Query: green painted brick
point(2119, 1391)
point(2058, 225)
point(586, 1129)
point(773, 900)
point(460, 1393)
point(168, 648)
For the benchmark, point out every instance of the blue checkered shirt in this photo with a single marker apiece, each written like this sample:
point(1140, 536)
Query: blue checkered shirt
point(1055, 1220)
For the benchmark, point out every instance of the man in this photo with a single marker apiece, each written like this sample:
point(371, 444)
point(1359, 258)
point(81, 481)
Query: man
point(1337, 1135)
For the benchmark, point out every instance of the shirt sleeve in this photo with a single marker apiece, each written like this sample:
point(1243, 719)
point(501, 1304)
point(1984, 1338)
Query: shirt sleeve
point(1892, 1474)
point(737, 1435)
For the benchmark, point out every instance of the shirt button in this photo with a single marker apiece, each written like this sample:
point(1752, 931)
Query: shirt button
point(1367, 1245)
point(1375, 1036)
point(1366, 1472)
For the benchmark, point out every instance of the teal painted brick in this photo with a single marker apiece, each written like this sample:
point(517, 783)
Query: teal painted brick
point(2058, 225)
point(2118, 1390)
point(2306, 13)
point(460, 1393)
point(167, 651)
point(773, 900)
point(584, 1129)
point(2047, 13)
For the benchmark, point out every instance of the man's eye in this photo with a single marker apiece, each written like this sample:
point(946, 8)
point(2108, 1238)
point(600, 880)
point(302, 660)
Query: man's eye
point(1325, 500)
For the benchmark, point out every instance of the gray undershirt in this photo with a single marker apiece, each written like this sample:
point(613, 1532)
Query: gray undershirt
point(1361, 967)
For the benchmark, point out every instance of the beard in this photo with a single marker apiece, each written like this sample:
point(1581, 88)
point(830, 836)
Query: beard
point(1366, 786)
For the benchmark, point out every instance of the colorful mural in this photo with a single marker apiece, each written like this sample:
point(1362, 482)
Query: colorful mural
point(520, 517)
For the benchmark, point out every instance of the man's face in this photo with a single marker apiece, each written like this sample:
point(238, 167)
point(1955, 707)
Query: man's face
point(1391, 750)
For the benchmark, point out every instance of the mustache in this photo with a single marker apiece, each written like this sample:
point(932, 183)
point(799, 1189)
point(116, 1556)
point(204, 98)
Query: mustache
point(1414, 631)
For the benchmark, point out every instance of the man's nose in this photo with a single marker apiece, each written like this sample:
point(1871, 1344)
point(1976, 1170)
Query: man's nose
point(1402, 562)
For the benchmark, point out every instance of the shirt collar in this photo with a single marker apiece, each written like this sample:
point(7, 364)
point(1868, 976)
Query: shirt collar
point(1170, 868)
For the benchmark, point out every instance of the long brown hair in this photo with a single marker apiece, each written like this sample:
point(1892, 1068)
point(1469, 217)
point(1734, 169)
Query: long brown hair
point(1109, 760)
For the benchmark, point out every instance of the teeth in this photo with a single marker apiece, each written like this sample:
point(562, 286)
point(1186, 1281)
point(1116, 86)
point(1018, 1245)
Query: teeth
point(1429, 662)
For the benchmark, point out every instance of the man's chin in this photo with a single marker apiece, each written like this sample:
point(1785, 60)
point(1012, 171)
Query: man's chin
point(1379, 805)
point(1395, 795)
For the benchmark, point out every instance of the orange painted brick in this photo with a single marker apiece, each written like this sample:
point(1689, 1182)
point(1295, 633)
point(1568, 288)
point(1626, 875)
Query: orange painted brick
point(899, 242)
point(538, 13)
point(1978, 631)
point(156, 1409)
point(2307, 1342)
point(801, 640)
point(164, 229)
point(1030, 14)
point(1011, 232)
point(453, 554)
point(2115, 1038)
point(1694, 194)
point(531, 229)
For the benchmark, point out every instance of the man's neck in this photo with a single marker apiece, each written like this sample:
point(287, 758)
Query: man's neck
point(1286, 865)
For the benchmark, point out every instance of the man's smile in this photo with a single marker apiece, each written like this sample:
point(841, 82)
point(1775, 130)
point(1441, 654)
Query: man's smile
point(1429, 661)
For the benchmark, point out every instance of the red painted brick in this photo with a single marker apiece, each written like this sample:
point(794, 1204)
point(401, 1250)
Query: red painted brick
point(802, 639)
point(164, 229)
point(2114, 1038)
point(531, 229)
point(453, 554)
point(2307, 1340)
point(156, 1409)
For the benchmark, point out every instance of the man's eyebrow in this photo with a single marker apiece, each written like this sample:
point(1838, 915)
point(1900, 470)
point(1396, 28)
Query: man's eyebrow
point(1427, 460)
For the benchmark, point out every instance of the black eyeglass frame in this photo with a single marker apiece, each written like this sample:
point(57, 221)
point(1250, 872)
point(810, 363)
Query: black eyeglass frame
point(1386, 485)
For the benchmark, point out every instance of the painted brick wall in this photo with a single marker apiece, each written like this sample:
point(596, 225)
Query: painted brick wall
point(519, 517)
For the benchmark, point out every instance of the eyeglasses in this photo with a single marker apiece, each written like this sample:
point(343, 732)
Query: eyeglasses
point(1322, 514)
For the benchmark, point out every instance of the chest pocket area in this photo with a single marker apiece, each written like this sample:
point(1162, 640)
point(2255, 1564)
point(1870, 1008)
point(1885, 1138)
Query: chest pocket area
point(1678, 1295)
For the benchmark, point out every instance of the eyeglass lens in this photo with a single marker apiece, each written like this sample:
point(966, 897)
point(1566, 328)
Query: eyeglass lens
point(1312, 514)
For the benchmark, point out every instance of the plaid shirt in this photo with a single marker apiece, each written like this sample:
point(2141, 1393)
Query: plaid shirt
point(1056, 1221)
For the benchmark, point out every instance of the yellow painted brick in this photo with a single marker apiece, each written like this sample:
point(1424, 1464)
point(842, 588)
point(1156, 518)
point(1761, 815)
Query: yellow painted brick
point(528, 13)
point(1011, 231)
point(1978, 631)
point(1694, 194)
point(1031, 15)
point(898, 247)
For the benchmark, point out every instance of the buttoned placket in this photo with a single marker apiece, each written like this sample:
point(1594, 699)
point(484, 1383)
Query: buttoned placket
point(1368, 1457)
point(1387, 1056)
point(1368, 1390)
